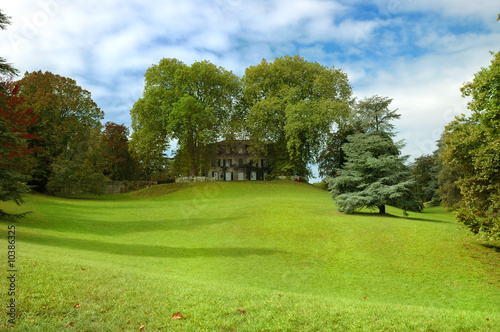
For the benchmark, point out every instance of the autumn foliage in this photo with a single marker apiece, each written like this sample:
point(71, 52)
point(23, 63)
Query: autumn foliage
point(16, 144)
point(15, 119)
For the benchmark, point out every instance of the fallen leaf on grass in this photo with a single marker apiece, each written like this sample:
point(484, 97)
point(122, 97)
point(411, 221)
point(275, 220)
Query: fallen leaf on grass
point(77, 305)
point(71, 324)
point(242, 311)
point(177, 316)
point(128, 322)
point(142, 327)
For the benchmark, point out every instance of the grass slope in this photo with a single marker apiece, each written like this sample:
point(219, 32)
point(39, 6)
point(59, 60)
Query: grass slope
point(277, 251)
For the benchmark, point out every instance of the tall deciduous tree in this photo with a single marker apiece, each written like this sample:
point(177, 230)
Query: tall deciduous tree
point(80, 167)
point(67, 116)
point(119, 164)
point(293, 105)
point(191, 104)
point(373, 176)
point(425, 170)
point(472, 144)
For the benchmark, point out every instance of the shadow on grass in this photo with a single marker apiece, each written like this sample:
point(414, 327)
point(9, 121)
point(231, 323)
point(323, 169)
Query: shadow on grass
point(142, 250)
point(85, 225)
point(388, 215)
point(492, 246)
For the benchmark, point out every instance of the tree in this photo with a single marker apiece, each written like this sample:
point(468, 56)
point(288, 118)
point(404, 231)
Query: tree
point(370, 115)
point(332, 157)
point(80, 167)
point(425, 171)
point(6, 69)
point(15, 161)
point(448, 190)
point(119, 164)
point(15, 119)
point(472, 144)
point(192, 104)
point(374, 115)
point(373, 176)
point(293, 105)
point(67, 116)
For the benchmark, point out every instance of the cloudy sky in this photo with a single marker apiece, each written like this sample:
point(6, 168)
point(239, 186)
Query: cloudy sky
point(418, 52)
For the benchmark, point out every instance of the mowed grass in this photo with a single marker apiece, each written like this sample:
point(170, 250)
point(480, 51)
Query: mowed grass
point(247, 256)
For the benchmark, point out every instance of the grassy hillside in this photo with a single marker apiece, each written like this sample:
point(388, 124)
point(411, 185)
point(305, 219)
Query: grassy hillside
point(246, 256)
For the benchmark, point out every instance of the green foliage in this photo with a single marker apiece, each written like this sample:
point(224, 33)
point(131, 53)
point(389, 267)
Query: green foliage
point(80, 168)
point(374, 115)
point(425, 171)
point(119, 164)
point(293, 105)
point(16, 162)
point(448, 190)
point(370, 115)
point(332, 157)
point(373, 176)
point(472, 143)
point(67, 116)
point(193, 104)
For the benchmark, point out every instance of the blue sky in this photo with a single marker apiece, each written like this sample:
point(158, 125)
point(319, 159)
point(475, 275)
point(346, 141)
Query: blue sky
point(417, 52)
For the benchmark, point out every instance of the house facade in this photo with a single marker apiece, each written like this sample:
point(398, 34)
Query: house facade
point(234, 162)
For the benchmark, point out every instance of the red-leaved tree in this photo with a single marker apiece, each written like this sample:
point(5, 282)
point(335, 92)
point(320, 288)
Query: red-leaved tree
point(16, 145)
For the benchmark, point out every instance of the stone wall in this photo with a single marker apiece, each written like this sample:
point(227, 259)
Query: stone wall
point(120, 187)
point(187, 179)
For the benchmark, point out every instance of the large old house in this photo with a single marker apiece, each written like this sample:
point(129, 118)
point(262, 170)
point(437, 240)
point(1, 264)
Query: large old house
point(233, 161)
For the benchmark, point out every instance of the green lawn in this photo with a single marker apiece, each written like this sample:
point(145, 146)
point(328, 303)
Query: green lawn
point(247, 256)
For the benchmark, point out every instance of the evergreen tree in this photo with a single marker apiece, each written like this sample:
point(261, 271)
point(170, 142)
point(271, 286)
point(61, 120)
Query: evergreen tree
point(375, 175)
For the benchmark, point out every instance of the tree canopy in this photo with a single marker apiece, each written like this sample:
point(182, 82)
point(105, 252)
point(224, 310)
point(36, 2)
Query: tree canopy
point(373, 176)
point(472, 145)
point(293, 105)
point(67, 118)
point(119, 164)
point(191, 104)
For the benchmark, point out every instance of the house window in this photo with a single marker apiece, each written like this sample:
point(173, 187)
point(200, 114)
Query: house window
point(264, 163)
point(228, 162)
point(253, 176)
point(241, 176)
point(240, 150)
point(215, 175)
point(240, 162)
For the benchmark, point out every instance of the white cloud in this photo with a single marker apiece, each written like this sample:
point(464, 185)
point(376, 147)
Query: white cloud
point(108, 45)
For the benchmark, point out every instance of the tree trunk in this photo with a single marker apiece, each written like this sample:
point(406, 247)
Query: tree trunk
point(381, 209)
